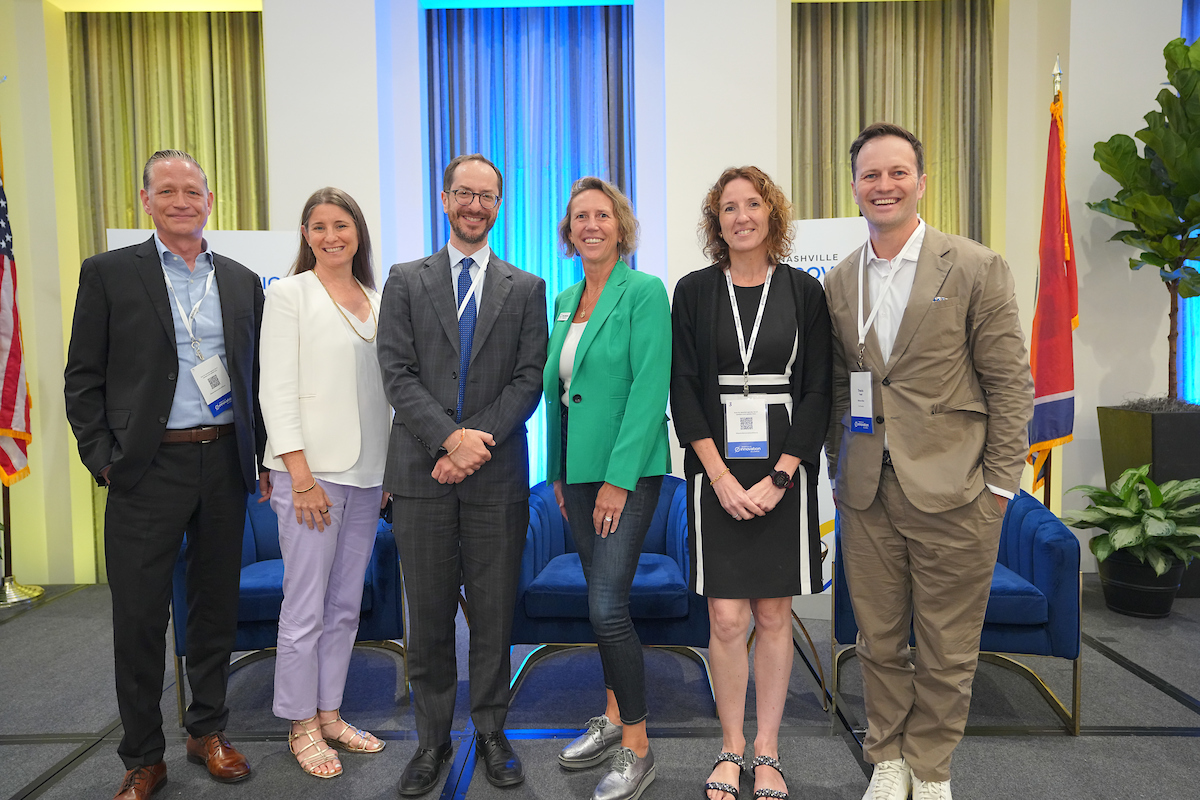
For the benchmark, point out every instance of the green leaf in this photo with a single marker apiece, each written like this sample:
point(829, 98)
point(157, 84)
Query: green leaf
point(1189, 284)
point(1113, 208)
point(1155, 492)
point(1101, 547)
point(1126, 535)
point(1188, 530)
point(1119, 158)
point(1097, 494)
point(1154, 214)
point(1157, 527)
point(1184, 513)
point(1127, 481)
point(1182, 553)
point(1168, 247)
point(1168, 144)
point(1177, 55)
point(1158, 561)
point(1155, 260)
point(1133, 239)
point(1174, 491)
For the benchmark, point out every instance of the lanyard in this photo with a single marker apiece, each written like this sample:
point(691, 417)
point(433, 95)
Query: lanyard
point(188, 318)
point(471, 291)
point(747, 351)
point(883, 293)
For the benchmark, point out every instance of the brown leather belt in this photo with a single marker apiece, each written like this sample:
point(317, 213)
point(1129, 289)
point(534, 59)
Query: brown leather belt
point(201, 434)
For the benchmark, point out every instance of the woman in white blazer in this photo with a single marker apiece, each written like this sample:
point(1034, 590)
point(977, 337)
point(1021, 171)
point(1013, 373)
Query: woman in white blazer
point(327, 422)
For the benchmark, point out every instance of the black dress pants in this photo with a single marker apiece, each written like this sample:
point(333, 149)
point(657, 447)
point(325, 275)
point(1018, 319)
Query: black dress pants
point(197, 488)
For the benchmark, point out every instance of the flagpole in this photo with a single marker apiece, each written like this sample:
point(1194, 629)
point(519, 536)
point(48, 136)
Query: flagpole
point(1048, 469)
point(12, 593)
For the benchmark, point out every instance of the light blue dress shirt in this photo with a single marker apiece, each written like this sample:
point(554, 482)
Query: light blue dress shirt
point(478, 258)
point(188, 409)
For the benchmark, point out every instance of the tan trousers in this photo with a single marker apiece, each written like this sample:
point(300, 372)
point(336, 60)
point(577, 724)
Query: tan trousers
point(934, 570)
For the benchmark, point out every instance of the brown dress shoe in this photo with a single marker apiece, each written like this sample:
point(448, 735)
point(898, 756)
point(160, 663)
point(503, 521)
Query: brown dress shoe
point(141, 782)
point(215, 752)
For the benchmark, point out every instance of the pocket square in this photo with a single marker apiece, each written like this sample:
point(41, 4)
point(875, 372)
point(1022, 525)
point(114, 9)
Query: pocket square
point(938, 299)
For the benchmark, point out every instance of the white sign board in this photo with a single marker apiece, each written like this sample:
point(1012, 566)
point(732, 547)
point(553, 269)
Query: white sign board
point(269, 253)
point(819, 245)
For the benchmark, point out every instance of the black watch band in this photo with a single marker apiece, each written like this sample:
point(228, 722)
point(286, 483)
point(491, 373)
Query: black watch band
point(781, 479)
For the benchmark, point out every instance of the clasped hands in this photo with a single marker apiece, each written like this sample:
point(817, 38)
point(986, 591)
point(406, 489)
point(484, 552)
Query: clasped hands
point(466, 451)
point(741, 503)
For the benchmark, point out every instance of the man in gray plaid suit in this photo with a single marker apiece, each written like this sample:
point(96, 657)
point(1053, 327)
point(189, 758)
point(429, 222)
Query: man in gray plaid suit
point(462, 343)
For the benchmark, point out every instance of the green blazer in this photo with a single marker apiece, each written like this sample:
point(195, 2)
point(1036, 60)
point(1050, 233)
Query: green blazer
point(622, 364)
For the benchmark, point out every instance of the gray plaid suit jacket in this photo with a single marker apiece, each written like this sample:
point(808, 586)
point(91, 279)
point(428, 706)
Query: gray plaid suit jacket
point(419, 356)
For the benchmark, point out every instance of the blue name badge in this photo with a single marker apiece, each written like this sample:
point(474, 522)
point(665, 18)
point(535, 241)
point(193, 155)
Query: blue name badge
point(222, 403)
point(746, 428)
point(861, 415)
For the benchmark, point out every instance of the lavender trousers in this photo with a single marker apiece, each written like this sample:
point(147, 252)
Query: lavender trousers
point(322, 595)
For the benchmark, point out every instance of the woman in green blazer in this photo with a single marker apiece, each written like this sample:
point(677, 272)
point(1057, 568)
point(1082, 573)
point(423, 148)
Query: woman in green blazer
point(606, 380)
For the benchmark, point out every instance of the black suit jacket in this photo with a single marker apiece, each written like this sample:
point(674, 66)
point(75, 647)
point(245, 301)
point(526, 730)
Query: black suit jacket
point(122, 363)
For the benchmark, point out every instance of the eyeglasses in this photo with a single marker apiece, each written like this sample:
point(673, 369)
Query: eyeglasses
point(486, 199)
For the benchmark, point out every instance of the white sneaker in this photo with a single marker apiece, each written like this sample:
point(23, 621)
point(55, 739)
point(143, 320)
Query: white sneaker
point(890, 781)
point(930, 790)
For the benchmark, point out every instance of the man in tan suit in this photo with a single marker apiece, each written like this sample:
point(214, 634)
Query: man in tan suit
point(932, 395)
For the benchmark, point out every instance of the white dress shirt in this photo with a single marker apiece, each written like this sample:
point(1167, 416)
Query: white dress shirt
point(891, 309)
point(480, 260)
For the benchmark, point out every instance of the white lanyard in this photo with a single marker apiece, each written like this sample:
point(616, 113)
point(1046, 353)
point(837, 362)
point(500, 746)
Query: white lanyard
point(747, 350)
point(471, 291)
point(188, 318)
point(883, 293)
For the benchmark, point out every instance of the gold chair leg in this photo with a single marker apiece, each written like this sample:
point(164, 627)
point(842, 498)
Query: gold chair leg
point(1070, 718)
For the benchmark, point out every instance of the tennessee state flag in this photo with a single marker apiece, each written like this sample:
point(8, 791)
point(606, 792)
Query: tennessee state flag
point(1051, 353)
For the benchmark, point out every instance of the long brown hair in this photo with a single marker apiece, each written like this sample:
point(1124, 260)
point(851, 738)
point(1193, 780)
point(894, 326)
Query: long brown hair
point(360, 268)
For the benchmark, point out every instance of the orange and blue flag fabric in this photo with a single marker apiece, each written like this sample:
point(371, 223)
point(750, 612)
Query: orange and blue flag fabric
point(1051, 352)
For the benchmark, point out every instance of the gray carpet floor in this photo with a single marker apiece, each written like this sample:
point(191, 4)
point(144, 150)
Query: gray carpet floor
point(59, 727)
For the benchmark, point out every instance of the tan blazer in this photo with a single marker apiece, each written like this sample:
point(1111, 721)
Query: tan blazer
point(956, 397)
point(308, 388)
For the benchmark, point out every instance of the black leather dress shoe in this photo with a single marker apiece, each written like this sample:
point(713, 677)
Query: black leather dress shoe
point(422, 771)
point(500, 763)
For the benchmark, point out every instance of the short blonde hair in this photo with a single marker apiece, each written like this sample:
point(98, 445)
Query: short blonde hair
point(779, 220)
point(627, 224)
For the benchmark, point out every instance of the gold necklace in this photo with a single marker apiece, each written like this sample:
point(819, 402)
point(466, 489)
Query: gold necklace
point(374, 321)
point(579, 310)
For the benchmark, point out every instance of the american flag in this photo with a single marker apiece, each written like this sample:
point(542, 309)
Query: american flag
point(14, 389)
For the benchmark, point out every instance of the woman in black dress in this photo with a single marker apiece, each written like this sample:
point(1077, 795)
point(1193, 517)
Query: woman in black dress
point(750, 396)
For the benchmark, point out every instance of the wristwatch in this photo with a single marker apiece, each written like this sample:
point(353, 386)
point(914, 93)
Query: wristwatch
point(781, 479)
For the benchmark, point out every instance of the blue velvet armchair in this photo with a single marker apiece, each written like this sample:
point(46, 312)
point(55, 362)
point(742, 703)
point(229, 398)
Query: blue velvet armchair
point(260, 596)
point(552, 609)
point(1033, 608)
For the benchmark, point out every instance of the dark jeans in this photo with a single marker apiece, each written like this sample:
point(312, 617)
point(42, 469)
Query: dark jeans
point(608, 566)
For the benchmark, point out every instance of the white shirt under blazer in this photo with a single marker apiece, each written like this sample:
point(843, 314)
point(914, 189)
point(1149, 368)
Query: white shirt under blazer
point(309, 385)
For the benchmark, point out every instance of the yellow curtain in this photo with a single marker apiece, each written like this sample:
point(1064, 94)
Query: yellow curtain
point(142, 82)
point(924, 65)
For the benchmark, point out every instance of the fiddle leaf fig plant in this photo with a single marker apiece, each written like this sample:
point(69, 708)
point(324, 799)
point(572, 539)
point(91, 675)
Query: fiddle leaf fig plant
point(1160, 188)
point(1156, 524)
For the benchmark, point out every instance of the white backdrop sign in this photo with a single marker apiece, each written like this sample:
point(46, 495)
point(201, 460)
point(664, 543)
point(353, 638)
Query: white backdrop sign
point(820, 244)
point(269, 253)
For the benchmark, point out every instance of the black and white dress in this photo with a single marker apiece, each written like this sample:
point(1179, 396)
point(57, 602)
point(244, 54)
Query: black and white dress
point(776, 555)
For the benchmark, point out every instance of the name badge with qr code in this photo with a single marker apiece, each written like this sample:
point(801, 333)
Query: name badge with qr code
point(746, 429)
point(213, 380)
point(861, 402)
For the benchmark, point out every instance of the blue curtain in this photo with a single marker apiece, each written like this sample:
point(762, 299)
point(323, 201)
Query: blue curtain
point(1187, 349)
point(546, 94)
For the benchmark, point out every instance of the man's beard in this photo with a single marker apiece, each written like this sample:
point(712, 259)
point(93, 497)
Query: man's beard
point(467, 237)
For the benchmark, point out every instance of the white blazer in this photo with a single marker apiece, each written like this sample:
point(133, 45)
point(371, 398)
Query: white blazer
point(307, 384)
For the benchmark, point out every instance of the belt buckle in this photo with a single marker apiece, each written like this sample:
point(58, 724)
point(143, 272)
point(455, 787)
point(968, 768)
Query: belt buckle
point(204, 432)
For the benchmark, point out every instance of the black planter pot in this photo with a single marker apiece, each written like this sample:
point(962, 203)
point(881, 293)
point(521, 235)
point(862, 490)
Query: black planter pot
point(1131, 587)
point(1166, 440)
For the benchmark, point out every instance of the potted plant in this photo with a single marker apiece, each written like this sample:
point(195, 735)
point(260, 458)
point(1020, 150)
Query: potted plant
point(1160, 200)
point(1150, 533)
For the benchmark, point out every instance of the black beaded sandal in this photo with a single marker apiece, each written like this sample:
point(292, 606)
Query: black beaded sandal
point(732, 758)
point(773, 763)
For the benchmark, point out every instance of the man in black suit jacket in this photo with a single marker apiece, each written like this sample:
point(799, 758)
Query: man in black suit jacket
point(162, 393)
point(462, 384)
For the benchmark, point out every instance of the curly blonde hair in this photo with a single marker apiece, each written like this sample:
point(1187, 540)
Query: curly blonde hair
point(779, 219)
point(627, 224)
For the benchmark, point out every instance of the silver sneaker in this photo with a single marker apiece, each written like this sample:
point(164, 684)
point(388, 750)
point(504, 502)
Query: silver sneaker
point(628, 777)
point(598, 742)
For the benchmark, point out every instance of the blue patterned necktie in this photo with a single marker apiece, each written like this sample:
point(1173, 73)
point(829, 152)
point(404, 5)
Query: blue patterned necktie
point(466, 331)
